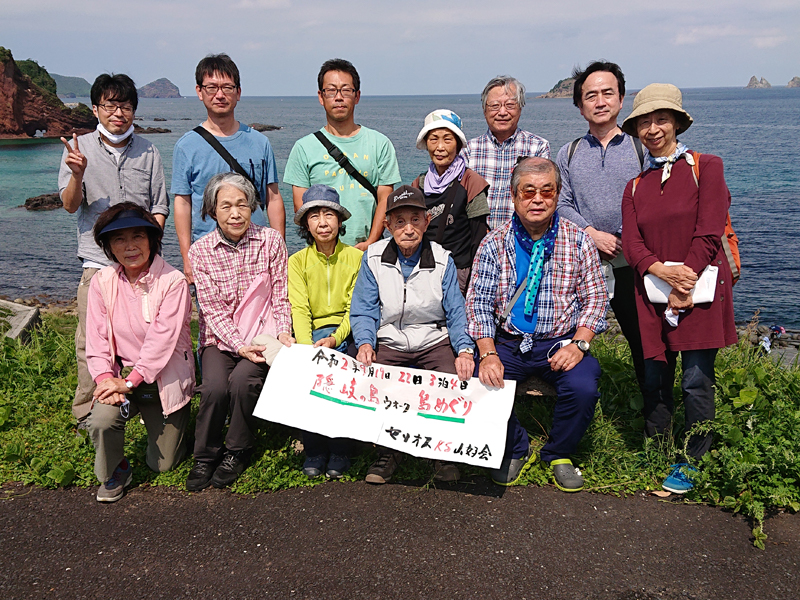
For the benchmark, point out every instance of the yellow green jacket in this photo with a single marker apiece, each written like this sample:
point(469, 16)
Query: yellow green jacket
point(320, 290)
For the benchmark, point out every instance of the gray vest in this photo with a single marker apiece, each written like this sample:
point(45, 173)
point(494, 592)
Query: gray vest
point(412, 315)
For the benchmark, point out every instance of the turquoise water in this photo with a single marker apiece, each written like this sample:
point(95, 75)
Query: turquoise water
point(756, 133)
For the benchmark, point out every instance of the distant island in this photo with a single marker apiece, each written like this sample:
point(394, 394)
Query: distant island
point(563, 89)
point(263, 127)
point(755, 84)
point(160, 88)
point(794, 83)
point(29, 104)
point(71, 87)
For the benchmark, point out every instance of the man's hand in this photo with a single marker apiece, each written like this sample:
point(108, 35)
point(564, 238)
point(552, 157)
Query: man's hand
point(366, 354)
point(465, 366)
point(327, 342)
point(75, 160)
point(490, 371)
point(111, 391)
point(566, 358)
point(253, 353)
point(362, 246)
point(608, 245)
point(187, 272)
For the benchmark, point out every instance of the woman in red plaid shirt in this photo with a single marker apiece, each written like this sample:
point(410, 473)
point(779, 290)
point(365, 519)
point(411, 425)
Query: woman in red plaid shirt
point(240, 270)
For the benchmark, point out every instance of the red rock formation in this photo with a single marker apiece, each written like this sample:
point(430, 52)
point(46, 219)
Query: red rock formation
point(25, 108)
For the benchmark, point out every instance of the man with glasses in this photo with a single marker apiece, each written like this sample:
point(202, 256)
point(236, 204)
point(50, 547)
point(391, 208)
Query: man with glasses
point(595, 169)
point(494, 154)
point(370, 153)
point(98, 170)
point(195, 160)
point(535, 302)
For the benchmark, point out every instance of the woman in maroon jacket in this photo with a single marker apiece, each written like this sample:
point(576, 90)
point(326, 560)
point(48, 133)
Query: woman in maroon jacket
point(670, 215)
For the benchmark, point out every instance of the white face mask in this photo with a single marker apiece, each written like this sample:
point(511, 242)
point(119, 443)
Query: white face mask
point(114, 139)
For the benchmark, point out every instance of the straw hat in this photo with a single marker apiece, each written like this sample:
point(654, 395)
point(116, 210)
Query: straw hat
point(657, 96)
point(439, 119)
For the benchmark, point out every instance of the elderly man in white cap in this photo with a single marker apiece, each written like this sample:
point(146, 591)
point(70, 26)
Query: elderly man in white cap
point(321, 281)
point(456, 196)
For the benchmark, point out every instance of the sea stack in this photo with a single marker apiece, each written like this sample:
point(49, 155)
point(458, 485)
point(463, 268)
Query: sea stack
point(755, 84)
point(160, 88)
point(794, 83)
point(563, 89)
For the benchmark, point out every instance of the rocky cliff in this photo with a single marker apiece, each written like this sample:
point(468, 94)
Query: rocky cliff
point(25, 108)
point(794, 83)
point(756, 84)
point(160, 88)
point(563, 89)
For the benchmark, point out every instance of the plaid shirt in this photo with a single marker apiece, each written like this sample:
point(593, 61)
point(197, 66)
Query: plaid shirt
point(495, 161)
point(223, 273)
point(572, 293)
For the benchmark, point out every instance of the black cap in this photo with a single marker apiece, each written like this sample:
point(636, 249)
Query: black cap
point(405, 195)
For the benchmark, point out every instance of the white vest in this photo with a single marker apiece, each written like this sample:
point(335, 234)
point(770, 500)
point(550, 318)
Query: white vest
point(412, 315)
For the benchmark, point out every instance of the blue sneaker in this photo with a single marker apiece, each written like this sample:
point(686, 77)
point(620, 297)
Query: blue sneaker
point(314, 465)
point(679, 481)
point(337, 465)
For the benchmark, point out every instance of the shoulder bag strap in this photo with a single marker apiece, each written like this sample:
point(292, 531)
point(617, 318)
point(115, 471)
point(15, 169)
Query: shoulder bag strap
point(226, 156)
point(340, 158)
point(513, 301)
point(573, 145)
point(637, 145)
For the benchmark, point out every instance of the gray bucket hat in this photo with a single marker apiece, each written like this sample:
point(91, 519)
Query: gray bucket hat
point(657, 96)
point(320, 195)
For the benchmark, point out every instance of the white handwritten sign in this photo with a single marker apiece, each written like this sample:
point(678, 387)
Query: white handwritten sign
point(423, 413)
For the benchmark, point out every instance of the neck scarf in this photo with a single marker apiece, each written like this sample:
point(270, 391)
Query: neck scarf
point(666, 162)
point(436, 184)
point(540, 251)
point(114, 139)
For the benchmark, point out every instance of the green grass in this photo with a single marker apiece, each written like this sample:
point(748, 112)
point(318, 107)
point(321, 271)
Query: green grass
point(753, 467)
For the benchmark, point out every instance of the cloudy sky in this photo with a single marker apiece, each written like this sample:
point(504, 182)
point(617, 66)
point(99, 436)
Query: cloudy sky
point(410, 46)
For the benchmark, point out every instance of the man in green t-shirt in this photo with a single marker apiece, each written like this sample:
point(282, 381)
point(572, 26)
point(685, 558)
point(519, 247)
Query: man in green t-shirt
point(369, 151)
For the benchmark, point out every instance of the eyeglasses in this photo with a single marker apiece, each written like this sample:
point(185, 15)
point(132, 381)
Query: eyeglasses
point(346, 92)
point(126, 109)
point(510, 105)
point(212, 90)
point(529, 193)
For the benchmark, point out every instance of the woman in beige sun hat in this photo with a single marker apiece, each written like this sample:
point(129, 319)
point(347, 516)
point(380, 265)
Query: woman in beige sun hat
point(673, 220)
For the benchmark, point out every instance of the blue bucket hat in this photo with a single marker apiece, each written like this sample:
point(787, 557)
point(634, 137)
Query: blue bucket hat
point(125, 220)
point(321, 195)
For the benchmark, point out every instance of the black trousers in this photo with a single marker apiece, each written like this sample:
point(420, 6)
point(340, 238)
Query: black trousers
point(231, 384)
point(697, 384)
point(624, 306)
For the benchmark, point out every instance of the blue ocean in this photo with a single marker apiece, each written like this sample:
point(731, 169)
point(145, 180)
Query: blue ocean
point(755, 132)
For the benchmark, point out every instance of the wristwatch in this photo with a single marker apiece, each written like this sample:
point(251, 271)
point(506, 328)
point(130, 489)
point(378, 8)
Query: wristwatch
point(582, 345)
point(129, 384)
point(469, 351)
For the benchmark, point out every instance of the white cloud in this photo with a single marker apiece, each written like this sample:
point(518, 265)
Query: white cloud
point(763, 38)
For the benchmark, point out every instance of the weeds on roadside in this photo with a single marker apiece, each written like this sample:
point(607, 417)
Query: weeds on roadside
point(753, 467)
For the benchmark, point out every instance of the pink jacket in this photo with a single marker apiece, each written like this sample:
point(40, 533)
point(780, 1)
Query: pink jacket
point(146, 324)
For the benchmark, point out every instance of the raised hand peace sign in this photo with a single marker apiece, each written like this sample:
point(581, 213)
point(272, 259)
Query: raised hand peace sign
point(74, 159)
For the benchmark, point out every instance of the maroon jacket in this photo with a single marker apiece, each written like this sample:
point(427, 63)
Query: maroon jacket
point(683, 223)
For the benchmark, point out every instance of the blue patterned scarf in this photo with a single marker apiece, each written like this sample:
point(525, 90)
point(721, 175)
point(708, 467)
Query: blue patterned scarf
point(666, 162)
point(540, 250)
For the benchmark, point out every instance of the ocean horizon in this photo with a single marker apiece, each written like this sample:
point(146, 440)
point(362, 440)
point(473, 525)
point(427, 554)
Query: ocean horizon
point(755, 131)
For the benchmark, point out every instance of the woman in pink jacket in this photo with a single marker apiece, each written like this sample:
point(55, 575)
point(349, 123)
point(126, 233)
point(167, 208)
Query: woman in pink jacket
point(138, 348)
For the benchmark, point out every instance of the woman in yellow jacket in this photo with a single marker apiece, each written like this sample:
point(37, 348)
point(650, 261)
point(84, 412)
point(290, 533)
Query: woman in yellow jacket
point(321, 281)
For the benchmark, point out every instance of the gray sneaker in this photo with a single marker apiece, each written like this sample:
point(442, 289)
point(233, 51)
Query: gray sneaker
point(511, 469)
point(567, 477)
point(113, 489)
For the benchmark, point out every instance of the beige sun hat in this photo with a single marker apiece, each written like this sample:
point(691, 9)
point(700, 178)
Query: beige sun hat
point(441, 118)
point(657, 96)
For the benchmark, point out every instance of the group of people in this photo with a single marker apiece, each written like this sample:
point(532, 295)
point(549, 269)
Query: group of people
point(499, 263)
